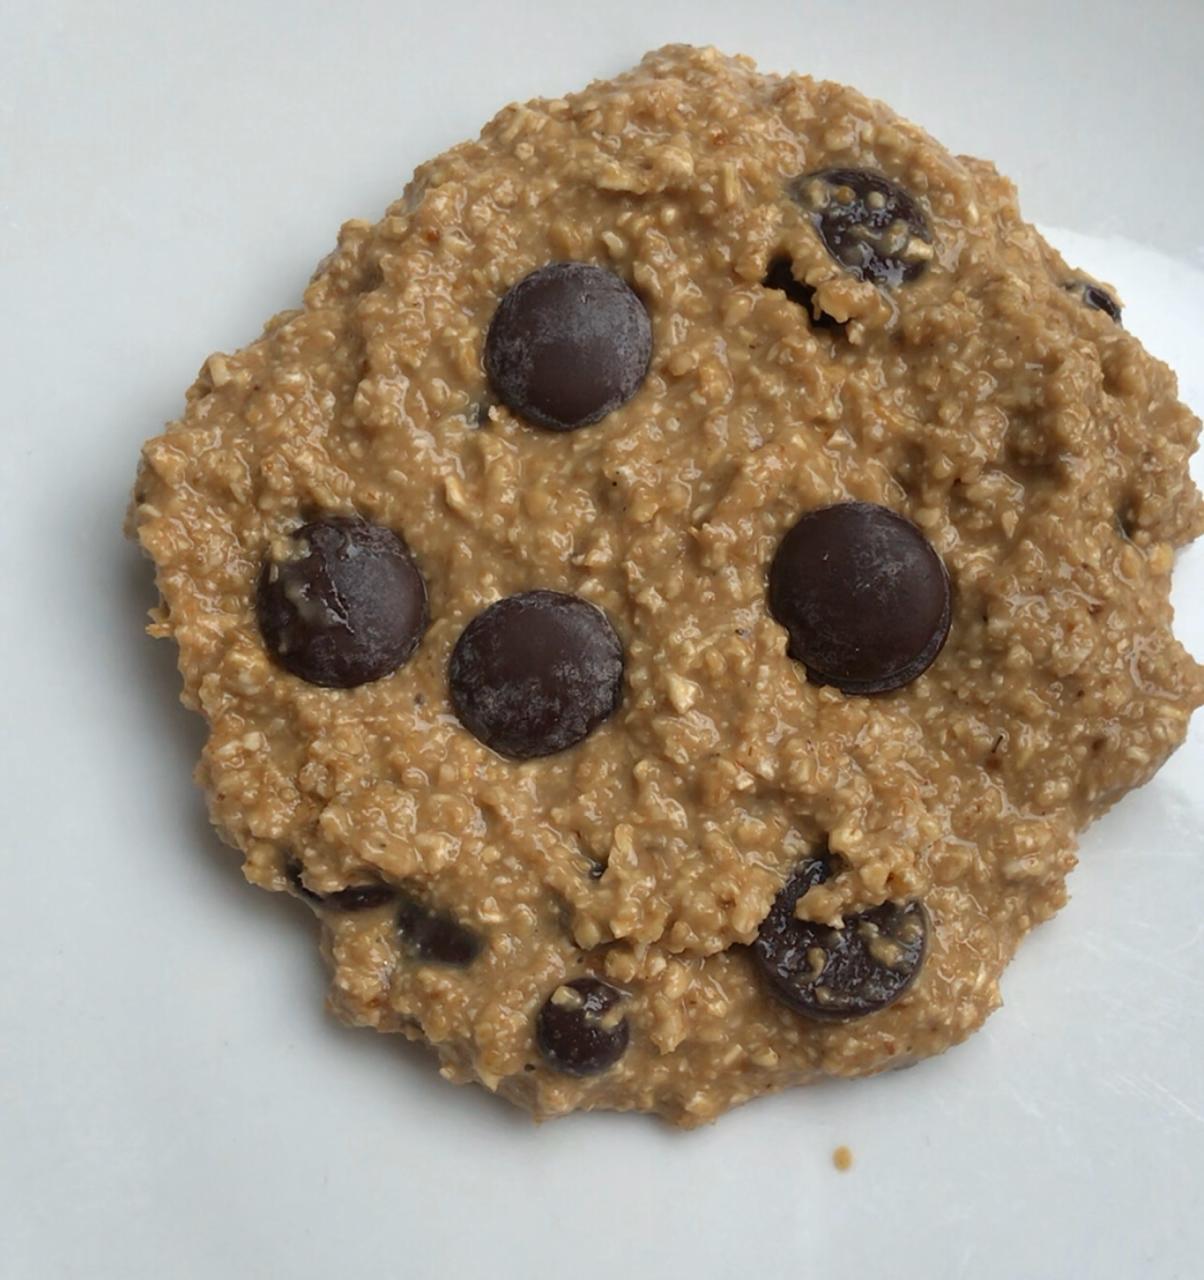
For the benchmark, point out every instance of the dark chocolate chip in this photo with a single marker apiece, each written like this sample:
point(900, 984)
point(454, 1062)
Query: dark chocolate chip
point(579, 1030)
point(567, 345)
point(838, 974)
point(781, 276)
point(361, 897)
point(356, 897)
point(869, 224)
point(535, 673)
point(292, 873)
point(595, 868)
point(348, 608)
point(1095, 296)
point(863, 596)
point(434, 936)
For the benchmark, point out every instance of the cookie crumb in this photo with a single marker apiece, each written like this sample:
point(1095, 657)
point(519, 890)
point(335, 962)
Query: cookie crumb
point(842, 1158)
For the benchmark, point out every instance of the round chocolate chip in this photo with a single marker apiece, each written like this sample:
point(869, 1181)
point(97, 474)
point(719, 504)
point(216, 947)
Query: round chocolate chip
point(568, 344)
point(869, 224)
point(347, 608)
point(580, 1029)
point(1095, 296)
point(863, 596)
point(435, 937)
point(535, 673)
point(844, 973)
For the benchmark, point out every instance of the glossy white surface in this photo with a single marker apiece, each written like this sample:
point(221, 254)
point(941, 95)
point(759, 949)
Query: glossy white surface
point(173, 1101)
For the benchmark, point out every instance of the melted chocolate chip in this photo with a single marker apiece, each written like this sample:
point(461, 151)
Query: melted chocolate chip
point(435, 937)
point(348, 608)
point(535, 673)
point(869, 224)
point(838, 974)
point(1095, 296)
point(864, 597)
point(567, 345)
point(780, 276)
point(579, 1030)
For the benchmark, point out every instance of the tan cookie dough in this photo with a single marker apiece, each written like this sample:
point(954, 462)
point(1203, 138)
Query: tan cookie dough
point(984, 395)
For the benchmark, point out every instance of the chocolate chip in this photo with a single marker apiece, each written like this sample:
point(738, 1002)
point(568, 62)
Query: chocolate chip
point(535, 673)
point(869, 224)
point(567, 345)
point(435, 937)
point(780, 275)
point(361, 897)
point(864, 597)
point(594, 867)
point(349, 607)
point(292, 873)
point(1095, 296)
point(356, 897)
point(579, 1030)
point(837, 974)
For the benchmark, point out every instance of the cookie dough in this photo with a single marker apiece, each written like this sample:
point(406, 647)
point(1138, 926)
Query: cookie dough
point(669, 598)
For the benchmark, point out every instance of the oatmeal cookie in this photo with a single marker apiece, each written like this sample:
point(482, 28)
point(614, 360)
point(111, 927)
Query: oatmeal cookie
point(670, 597)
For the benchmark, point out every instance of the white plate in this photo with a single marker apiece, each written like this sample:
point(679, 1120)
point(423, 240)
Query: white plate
point(173, 1101)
